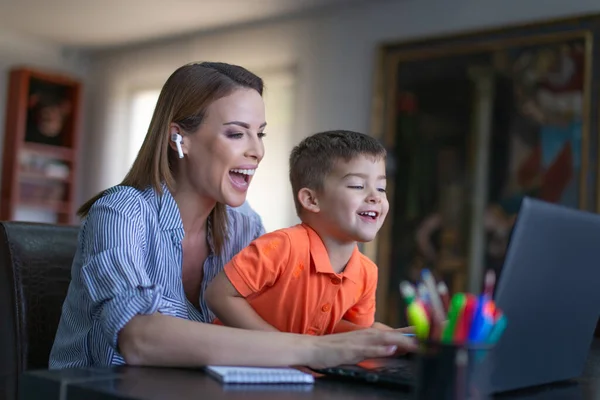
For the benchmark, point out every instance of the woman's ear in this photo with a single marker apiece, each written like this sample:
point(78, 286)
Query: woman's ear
point(308, 199)
point(176, 141)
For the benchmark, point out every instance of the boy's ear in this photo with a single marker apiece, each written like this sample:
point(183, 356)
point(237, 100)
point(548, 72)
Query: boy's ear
point(308, 199)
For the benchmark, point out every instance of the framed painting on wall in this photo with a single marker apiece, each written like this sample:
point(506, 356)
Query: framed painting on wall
point(473, 124)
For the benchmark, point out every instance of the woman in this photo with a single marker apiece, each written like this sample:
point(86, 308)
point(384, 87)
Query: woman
point(149, 247)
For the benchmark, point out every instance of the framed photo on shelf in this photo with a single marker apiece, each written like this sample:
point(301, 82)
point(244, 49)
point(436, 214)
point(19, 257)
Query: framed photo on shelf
point(49, 112)
point(490, 116)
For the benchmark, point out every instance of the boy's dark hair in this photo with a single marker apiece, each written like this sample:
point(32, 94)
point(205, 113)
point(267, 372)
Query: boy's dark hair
point(314, 157)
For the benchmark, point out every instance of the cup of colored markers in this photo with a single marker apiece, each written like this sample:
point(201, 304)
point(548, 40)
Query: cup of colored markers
point(455, 334)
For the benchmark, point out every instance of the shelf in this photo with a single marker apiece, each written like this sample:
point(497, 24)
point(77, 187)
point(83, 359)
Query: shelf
point(54, 206)
point(58, 152)
point(37, 176)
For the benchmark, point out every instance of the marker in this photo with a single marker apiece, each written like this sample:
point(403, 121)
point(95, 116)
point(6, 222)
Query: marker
point(417, 317)
point(455, 309)
point(489, 284)
point(494, 335)
point(497, 330)
point(437, 308)
point(478, 320)
point(485, 330)
point(422, 292)
point(484, 321)
point(463, 325)
point(407, 291)
point(444, 294)
point(434, 297)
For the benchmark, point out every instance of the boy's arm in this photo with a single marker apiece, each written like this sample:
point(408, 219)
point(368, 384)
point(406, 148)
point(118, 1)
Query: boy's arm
point(231, 307)
point(347, 326)
point(362, 314)
point(252, 270)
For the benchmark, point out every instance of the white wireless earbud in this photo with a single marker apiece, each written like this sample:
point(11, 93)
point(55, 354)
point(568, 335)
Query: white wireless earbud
point(176, 137)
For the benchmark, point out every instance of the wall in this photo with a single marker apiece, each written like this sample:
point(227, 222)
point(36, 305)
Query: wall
point(333, 53)
point(19, 50)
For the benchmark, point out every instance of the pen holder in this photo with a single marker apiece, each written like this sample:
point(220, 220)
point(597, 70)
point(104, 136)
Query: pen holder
point(451, 372)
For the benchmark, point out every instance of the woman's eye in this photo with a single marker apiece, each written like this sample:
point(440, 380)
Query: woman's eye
point(237, 135)
point(261, 135)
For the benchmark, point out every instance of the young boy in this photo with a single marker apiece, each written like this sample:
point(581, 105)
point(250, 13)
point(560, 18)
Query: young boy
point(311, 278)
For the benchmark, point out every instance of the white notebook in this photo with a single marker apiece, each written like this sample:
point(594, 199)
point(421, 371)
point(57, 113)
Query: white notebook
point(259, 375)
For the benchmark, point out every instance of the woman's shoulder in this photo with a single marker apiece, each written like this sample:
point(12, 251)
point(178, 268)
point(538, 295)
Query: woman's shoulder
point(124, 200)
point(244, 213)
point(244, 225)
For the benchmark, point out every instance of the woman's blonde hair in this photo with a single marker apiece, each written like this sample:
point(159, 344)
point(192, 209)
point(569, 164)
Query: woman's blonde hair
point(184, 99)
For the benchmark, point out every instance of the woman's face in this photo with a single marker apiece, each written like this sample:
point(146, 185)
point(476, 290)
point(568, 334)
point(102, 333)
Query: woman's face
point(223, 154)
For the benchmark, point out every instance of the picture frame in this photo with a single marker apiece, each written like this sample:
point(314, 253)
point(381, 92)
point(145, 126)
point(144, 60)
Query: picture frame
point(474, 122)
point(50, 114)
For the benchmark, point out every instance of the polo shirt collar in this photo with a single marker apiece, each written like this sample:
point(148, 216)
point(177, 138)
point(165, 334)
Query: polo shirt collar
point(321, 260)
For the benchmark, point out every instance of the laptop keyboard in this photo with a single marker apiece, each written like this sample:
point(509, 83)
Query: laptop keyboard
point(400, 372)
point(405, 372)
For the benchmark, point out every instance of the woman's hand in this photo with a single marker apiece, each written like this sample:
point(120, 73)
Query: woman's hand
point(353, 347)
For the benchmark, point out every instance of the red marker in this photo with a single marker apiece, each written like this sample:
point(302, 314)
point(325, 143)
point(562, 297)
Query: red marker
point(463, 326)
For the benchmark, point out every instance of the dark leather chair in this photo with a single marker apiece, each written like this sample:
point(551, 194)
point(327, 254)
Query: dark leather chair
point(35, 270)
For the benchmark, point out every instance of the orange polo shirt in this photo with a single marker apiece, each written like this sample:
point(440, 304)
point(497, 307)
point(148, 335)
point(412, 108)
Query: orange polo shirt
point(287, 278)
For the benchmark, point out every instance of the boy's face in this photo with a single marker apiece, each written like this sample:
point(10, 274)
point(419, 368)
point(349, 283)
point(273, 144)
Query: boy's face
point(353, 203)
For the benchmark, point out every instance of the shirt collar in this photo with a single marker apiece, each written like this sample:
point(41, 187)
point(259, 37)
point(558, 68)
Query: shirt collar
point(321, 261)
point(169, 217)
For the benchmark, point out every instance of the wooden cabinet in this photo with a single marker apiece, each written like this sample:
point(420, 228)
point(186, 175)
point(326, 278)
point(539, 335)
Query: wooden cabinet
point(41, 140)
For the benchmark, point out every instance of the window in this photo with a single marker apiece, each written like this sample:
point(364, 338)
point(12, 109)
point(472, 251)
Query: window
point(270, 193)
point(142, 108)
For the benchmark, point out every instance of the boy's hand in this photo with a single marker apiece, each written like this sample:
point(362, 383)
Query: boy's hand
point(380, 326)
point(406, 329)
point(384, 327)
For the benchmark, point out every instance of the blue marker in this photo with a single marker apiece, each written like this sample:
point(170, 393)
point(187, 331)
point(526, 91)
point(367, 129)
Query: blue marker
point(483, 321)
point(478, 320)
point(485, 329)
point(497, 330)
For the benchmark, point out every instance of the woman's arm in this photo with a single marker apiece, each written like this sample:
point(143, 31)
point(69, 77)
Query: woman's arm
point(158, 340)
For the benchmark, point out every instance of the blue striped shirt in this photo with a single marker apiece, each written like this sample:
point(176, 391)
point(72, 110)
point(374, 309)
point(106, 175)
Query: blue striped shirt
point(128, 262)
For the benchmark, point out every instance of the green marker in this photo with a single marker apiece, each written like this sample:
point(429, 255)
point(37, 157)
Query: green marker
point(456, 306)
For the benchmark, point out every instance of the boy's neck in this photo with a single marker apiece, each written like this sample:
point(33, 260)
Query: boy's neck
point(339, 252)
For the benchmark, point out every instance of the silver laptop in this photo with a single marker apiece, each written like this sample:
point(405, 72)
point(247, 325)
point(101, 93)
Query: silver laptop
point(549, 292)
